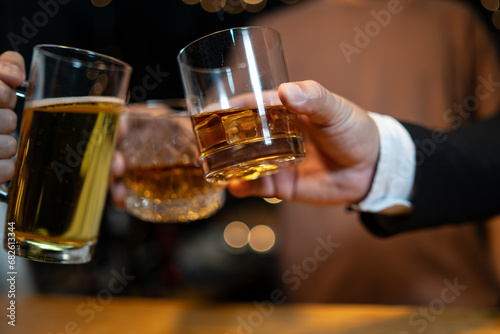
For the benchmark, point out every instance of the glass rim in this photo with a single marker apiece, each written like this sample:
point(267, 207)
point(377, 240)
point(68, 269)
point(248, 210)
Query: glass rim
point(220, 32)
point(49, 50)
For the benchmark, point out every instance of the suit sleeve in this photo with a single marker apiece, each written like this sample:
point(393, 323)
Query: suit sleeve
point(457, 179)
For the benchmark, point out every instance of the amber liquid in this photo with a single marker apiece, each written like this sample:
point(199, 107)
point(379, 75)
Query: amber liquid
point(247, 143)
point(165, 193)
point(58, 192)
point(167, 182)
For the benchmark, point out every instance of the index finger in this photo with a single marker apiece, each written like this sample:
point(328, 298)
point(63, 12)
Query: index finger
point(12, 69)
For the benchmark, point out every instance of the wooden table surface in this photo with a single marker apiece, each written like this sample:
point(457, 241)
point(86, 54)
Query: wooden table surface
point(108, 314)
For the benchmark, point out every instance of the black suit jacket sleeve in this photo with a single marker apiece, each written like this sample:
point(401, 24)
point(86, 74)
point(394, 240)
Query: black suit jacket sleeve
point(457, 179)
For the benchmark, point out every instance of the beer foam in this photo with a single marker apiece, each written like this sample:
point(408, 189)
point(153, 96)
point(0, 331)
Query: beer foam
point(73, 99)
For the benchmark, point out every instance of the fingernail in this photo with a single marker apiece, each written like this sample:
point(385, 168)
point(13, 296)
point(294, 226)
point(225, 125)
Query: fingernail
point(12, 70)
point(294, 93)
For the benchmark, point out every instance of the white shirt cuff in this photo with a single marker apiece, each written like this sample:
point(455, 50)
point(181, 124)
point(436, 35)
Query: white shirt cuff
point(393, 182)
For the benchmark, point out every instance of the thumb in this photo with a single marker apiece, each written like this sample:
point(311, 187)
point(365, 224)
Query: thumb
point(339, 128)
point(311, 99)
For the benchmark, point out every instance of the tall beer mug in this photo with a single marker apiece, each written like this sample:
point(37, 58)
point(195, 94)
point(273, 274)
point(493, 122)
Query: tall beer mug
point(73, 103)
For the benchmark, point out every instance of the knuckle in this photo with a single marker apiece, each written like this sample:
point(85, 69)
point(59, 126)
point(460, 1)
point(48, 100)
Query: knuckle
point(11, 145)
point(7, 96)
point(8, 121)
point(318, 95)
point(6, 170)
point(321, 93)
point(13, 57)
point(8, 146)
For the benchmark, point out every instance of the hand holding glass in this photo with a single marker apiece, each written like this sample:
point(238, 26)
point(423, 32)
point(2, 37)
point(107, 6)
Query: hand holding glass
point(231, 80)
point(66, 142)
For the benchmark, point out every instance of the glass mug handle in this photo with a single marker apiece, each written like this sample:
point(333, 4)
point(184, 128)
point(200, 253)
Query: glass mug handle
point(4, 193)
point(20, 92)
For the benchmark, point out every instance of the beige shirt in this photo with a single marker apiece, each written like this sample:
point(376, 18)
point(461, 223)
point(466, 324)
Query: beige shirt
point(428, 62)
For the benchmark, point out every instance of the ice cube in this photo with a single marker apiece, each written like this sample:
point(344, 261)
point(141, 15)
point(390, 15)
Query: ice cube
point(210, 131)
point(240, 126)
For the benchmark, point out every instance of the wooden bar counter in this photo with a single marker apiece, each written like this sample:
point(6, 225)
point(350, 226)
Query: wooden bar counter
point(108, 314)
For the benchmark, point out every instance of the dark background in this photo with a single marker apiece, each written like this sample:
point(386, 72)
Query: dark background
point(143, 33)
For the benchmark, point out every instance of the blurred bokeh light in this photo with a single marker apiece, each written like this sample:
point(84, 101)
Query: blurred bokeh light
point(496, 19)
point(491, 4)
point(212, 6)
point(237, 234)
point(262, 238)
point(101, 3)
point(232, 6)
point(273, 200)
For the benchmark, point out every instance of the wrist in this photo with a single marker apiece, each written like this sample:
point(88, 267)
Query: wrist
point(393, 177)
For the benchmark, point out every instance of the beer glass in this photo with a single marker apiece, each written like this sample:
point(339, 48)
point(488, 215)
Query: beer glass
point(163, 180)
point(230, 80)
point(72, 107)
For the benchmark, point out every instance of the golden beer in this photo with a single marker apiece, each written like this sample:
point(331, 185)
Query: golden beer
point(171, 193)
point(245, 143)
point(58, 192)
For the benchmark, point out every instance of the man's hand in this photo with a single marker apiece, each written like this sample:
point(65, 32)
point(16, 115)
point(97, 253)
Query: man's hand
point(342, 144)
point(12, 74)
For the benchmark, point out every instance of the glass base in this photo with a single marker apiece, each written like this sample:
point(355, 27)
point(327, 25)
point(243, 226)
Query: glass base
point(43, 251)
point(253, 170)
point(251, 160)
point(179, 210)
